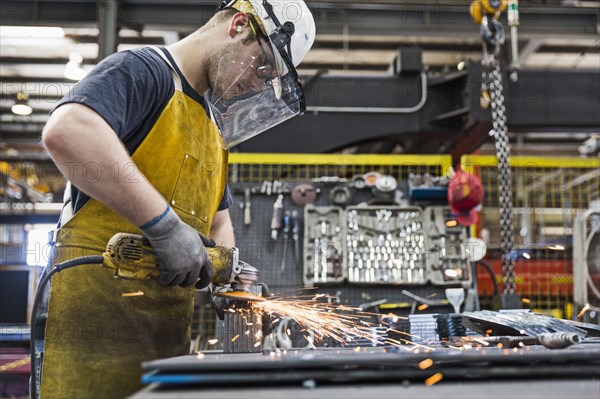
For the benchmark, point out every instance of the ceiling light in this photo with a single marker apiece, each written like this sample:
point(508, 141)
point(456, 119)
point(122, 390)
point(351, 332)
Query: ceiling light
point(32, 31)
point(21, 105)
point(460, 66)
point(73, 69)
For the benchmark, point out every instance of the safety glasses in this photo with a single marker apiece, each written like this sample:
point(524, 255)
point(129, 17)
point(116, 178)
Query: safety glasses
point(265, 68)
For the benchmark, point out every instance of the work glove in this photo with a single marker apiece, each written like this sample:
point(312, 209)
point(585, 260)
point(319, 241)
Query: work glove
point(180, 251)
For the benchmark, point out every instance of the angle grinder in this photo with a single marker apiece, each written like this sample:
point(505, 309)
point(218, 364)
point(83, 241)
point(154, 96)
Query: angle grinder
point(132, 258)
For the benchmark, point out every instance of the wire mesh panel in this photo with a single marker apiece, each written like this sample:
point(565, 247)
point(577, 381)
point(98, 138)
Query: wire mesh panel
point(278, 262)
point(548, 193)
point(254, 168)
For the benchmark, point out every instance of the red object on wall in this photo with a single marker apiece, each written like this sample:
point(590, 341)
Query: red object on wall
point(534, 277)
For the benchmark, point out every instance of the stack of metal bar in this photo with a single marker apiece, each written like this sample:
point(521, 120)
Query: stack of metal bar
point(243, 329)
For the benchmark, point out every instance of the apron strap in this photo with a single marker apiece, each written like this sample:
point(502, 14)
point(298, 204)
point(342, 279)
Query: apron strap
point(66, 213)
point(176, 77)
point(179, 85)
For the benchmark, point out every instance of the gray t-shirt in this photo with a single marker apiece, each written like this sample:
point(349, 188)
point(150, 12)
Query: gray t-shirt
point(129, 89)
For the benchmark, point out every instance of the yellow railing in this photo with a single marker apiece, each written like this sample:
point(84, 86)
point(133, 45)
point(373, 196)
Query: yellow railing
point(258, 167)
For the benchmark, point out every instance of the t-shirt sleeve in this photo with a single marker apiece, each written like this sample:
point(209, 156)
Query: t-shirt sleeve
point(121, 89)
point(227, 200)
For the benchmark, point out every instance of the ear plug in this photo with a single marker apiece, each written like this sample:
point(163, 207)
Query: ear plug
point(238, 29)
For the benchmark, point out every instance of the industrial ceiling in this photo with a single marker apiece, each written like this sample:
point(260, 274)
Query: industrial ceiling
point(354, 38)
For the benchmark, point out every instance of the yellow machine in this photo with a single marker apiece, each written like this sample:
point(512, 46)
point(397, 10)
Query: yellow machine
point(131, 257)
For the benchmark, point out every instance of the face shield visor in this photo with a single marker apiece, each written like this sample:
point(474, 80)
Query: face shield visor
point(256, 87)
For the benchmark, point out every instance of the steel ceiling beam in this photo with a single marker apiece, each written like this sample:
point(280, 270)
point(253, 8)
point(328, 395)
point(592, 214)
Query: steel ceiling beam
point(399, 18)
point(541, 100)
point(108, 15)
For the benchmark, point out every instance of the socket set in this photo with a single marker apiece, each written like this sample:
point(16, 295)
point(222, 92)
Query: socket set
point(446, 256)
point(385, 245)
point(323, 245)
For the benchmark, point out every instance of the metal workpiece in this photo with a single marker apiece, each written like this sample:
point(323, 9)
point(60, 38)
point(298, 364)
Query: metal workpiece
point(242, 332)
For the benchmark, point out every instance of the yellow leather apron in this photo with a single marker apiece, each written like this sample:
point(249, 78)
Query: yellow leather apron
point(96, 337)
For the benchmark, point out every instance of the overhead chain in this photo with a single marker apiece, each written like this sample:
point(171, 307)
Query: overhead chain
point(492, 94)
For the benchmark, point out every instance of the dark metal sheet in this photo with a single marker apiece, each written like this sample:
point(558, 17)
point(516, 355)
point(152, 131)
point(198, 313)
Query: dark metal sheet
point(347, 358)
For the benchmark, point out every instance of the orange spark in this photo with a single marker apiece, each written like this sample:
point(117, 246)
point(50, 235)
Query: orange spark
point(425, 364)
point(339, 322)
point(434, 379)
point(130, 294)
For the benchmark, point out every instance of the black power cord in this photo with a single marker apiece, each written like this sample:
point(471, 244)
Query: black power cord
point(84, 260)
point(489, 269)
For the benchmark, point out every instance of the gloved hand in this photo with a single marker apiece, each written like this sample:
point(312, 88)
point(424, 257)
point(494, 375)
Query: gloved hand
point(180, 251)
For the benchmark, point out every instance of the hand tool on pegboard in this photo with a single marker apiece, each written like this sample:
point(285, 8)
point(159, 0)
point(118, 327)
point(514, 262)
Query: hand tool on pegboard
point(286, 236)
point(247, 207)
point(277, 217)
point(304, 194)
point(296, 236)
point(486, 14)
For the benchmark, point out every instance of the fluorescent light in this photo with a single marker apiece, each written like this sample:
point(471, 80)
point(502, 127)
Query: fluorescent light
point(32, 31)
point(73, 69)
point(21, 105)
point(74, 72)
point(21, 109)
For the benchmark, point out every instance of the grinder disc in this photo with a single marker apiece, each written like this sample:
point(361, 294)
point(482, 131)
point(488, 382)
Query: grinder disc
point(240, 296)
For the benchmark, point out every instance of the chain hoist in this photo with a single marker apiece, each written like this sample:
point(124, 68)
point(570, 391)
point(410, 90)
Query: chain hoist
point(486, 14)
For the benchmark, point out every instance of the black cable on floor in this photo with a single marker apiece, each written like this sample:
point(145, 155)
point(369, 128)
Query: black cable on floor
point(85, 260)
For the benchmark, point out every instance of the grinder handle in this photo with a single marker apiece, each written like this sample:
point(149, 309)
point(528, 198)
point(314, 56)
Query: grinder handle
point(208, 242)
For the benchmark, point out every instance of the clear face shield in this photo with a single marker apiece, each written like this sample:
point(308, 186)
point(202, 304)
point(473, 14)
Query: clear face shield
point(255, 89)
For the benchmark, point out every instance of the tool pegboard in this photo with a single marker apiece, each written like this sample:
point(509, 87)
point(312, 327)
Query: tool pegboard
point(284, 252)
point(277, 258)
point(322, 180)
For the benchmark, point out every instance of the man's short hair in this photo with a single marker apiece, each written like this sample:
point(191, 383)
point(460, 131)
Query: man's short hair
point(222, 17)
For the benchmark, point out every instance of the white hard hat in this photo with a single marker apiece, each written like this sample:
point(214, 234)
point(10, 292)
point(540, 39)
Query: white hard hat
point(289, 29)
point(275, 14)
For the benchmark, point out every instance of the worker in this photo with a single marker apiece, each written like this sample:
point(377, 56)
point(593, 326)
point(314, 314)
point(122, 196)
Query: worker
point(143, 140)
